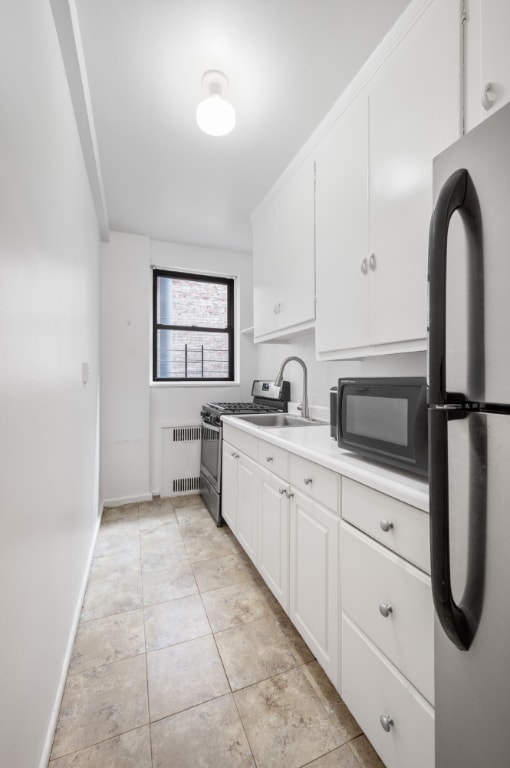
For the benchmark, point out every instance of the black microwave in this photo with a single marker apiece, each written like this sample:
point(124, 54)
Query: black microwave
point(385, 419)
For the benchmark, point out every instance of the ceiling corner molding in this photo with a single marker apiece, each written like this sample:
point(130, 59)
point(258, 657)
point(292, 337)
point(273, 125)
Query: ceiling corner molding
point(66, 22)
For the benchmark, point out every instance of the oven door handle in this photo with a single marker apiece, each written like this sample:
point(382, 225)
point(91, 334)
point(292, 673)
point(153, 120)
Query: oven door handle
point(213, 427)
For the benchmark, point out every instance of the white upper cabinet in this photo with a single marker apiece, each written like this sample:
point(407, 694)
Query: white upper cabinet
point(487, 59)
point(342, 236)
point(415, 113)
point(265, 260)
point(284, 258)
point(374, 191)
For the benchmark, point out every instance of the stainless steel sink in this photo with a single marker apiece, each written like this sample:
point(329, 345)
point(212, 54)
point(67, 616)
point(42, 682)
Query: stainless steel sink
point(280, 420)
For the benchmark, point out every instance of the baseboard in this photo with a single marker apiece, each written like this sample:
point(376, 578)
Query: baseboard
point(127, 500)
point(46, 753)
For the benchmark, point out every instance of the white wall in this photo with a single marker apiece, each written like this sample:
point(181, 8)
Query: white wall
point(125, 366)
point(323, 375)
point(133, 410)
point(49, 325)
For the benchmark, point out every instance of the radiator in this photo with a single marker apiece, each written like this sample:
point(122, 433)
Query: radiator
point(180, 452)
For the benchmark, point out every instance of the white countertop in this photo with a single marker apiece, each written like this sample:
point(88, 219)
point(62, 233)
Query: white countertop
point(314, 443)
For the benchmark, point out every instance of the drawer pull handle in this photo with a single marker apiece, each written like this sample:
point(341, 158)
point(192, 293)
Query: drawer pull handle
point(289, 495)
point(282, 491)
point(308, 480)
point(386, 525)
point(235, 455)
point(385, 609)
point(269, 459)
point(386, 722)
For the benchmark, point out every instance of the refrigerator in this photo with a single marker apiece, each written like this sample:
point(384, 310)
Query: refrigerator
point(469, 446)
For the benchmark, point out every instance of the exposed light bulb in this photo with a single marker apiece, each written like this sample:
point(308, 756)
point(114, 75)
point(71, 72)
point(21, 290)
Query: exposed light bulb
point(215, 115)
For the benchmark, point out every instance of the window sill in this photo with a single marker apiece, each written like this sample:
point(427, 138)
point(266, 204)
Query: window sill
point(186, 384)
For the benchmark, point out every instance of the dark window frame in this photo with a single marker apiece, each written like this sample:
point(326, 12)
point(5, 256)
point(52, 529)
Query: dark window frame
point(229, 331)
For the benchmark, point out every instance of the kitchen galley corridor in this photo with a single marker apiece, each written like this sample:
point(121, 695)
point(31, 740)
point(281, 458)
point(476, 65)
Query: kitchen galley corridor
point(184, 659)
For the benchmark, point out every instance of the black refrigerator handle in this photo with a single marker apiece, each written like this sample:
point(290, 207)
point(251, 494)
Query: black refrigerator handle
point(456, 620)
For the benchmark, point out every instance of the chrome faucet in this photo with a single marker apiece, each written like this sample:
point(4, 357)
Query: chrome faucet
point(278, 381)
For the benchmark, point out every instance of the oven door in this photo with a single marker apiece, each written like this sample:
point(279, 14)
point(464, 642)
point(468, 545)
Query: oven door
point(210, 454)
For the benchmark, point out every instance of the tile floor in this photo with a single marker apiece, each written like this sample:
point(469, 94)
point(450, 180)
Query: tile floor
point(183, 658)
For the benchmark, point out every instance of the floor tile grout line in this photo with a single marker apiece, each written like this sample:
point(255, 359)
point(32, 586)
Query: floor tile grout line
point(244, 730)
point(97, 743)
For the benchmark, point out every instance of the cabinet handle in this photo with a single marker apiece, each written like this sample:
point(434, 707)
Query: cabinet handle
point(488, 97)
point(385, 609)
point(235, 455)
point(269, 459)
point(282, 491)
point(386, 722)
point(372, 262)
point(364, 266)
point(289, 494)
point(386, 525)
point(308, 480)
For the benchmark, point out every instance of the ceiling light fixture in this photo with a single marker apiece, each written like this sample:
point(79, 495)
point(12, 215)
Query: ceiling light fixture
point(215, 115)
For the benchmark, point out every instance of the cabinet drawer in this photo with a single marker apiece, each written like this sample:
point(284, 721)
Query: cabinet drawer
point(273, 458)
point(371, 688)
point(372, 577)
point(319, 483)
point(400, 527)
point(241, 440)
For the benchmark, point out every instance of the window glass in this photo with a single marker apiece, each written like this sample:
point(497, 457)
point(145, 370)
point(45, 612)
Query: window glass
point(193, 327)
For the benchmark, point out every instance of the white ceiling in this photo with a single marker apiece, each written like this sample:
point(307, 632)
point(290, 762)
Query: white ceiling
point(287, 62)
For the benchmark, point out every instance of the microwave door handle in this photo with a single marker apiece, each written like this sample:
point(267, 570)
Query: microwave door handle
point(460, 622)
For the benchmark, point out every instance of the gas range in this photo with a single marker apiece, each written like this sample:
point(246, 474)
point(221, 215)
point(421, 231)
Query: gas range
point(267, 398)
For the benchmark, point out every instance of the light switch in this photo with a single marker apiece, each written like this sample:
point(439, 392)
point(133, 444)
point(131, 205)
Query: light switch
point(85, 372)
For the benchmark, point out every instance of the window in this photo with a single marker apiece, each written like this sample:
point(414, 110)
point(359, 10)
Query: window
point(193, 327)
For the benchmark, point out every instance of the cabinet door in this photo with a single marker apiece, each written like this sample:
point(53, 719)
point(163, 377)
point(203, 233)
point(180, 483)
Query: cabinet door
point(391, 602)
point(247, 504)
point(273, 549)
point(314, 592)
point(265, 261)
point(487, 59)
point(296, 248)
point(373, 688)
point(342, 232)
point(414, 112)
point(229, 486)
point(495, 51)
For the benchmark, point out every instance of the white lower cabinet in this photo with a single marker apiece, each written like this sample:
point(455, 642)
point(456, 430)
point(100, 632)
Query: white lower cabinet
point(391, 602)
point(314, 587)
point(229, 485)
point(395, 718)
point(247, 504)
point(387, 627)
point(357, 587)
point(239, 497)
point(273, 521)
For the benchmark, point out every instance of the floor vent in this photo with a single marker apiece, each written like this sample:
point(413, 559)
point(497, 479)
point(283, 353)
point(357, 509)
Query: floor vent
point(180, 454)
